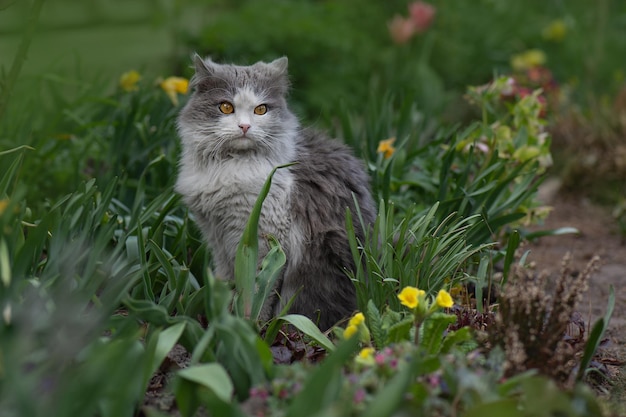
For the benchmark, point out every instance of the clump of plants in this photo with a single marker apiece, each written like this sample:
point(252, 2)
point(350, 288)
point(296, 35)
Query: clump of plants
point(142, 276)
point(532, 325)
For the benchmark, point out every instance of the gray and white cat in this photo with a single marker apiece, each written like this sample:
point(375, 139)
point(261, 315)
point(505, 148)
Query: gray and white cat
point(235, 129)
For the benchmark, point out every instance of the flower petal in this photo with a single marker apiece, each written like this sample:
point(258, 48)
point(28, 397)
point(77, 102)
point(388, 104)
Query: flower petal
point(444, 299)
point(409, 297)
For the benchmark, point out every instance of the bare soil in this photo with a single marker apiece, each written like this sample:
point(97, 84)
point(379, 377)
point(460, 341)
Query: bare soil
point(598, 235)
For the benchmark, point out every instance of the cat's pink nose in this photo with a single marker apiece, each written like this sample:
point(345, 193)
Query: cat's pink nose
point(244, 128)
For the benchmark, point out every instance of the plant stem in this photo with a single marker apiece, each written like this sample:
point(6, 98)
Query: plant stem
point(6, 85)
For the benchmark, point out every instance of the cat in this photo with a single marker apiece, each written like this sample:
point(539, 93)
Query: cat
point(235, 128)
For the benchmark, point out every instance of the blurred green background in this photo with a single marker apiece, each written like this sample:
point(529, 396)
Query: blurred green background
point(342, 58)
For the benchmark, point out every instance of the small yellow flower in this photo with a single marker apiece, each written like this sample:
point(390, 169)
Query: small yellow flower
point(350, 331)
point(528, 59)
point(366, 356)
point(3, 205)
point(129, 80)
point(555, 31)
point(444, 299)
point(409, 296)
point(386, 147)
point(366, 353)
point(356, 320)
point(174, 85)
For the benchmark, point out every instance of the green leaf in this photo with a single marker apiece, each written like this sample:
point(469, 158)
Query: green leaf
point(499, 408)
point(481, 282)
point(399, 331)
point(511, 247)
point(247, 255)
point(274, 324)
point(376, 325)
point(389, 399)
point(271, 268)
point(207, 384)
point(454, 338)
point(241, 351)
point(552, 232)
point(211, 376)
point(166, 340)
point(306, 326)
point(323, 386)
point(5, 263)
point(432, 331)
point(595, 337)
point(509, 385)
point(148, 311)
point(9, 174)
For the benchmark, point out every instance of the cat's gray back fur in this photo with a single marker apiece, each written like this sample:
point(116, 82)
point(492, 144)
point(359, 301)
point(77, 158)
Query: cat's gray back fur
point(225, 161)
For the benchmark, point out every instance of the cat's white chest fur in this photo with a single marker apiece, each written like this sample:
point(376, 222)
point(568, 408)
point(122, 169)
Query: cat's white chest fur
point(222, 196)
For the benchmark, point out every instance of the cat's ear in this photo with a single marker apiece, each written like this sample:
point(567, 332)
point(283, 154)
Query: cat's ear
point(203, 67)
point(279, 66)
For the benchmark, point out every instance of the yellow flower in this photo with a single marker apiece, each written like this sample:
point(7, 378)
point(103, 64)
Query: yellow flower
point(444, 299)
point(409, 296)
point(174, 85)
point(357, 323)
point(129, 80)
point(357, 319)
point(385, 147)
point(555, 31)
point(528, 59)
point(366, 356)
point(3, 205)
point(350, 331)
point(367, 353)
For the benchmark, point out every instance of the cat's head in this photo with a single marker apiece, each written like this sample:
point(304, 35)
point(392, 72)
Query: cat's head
point(238, 110)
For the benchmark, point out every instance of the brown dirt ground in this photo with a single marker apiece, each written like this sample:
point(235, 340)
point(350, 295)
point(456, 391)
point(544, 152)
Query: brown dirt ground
point(599, 235)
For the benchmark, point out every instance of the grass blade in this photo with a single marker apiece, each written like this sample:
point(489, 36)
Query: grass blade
point(246, 258)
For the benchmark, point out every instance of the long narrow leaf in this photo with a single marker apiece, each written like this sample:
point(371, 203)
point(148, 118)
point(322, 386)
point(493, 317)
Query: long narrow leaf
point(246, 258)
point(595, 337)
point(271, 268)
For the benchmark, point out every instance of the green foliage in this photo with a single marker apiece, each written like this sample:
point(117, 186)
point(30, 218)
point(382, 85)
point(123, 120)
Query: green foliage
point(595, 338)
point(132, 246)
point(480, 181)
point(433, 66)
point(403, 381)
point(321, 32)
point(58, 298)
point(102, 272)
point(418, 252)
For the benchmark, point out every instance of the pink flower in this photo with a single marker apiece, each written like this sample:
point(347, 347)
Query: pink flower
point(401, 29)
point(259, 393)
point(359, 396)
point(422, 15)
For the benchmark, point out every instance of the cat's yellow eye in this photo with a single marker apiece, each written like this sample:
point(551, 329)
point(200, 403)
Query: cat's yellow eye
point(226, 108)
point(260, 109)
